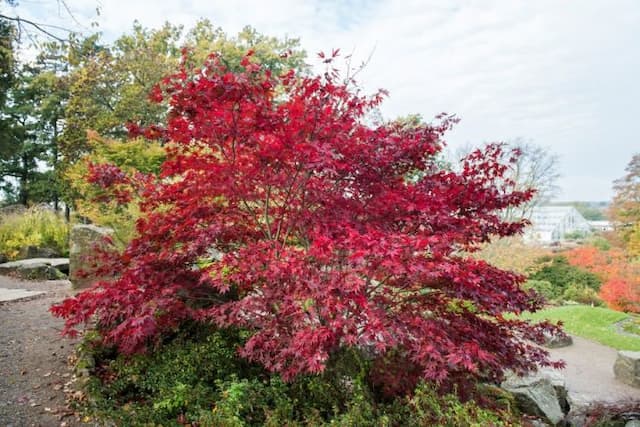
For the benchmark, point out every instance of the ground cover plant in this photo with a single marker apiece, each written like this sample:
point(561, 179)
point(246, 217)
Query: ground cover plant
point(279, 212)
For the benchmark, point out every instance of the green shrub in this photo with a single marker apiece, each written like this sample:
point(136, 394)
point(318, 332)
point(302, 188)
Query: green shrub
point(560, 274)
point(36, 227)
point(542, 287)
point(600, 243)
point(582, 295)
point(197, 377)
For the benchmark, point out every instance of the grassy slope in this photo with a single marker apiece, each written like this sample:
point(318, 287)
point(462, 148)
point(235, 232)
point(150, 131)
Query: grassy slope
point(594, 323)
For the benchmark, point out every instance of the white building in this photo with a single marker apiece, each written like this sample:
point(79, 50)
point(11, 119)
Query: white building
point(551, 224)
point(601, 225)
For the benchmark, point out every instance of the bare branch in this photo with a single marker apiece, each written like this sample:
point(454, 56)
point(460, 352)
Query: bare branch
point(38, 26)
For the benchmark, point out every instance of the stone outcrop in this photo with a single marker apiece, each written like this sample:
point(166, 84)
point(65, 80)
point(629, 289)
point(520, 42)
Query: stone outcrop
point(537, 395)
point(37, 268)
point(557, 340)
point(28, 252)
point(627, 368)
point(84, 241)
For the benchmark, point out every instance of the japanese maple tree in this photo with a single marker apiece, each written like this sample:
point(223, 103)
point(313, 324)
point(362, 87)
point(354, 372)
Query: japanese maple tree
point(279, 210)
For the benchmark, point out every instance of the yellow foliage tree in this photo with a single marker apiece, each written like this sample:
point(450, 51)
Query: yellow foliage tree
point(132, 156)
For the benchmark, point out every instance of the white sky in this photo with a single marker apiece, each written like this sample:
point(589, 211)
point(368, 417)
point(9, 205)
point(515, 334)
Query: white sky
point(563, 74)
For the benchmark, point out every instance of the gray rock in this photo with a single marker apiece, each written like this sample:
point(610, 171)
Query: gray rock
point(627, 368)
point(557, 340)
point(84, 240)
point(37, 268)
point(36, 252)
point(559, 384)
point(40, 272)
point(12, 210)
point(536, 395)
point(579, 406)
point(632, 423)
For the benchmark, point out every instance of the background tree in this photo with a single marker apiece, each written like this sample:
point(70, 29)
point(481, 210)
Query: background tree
point(20, 168)
point(110, 85)
point(620, 275)
point(273, 54)
point(7, 68)
point(536, 168)
point(35, 112)
point(625, 208)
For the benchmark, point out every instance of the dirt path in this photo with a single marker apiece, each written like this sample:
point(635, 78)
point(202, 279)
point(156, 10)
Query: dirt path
point(33, 359)
point(589, 373)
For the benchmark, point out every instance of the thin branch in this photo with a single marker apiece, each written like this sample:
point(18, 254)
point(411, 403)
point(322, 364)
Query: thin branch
point(66, 7)
point(37, 26)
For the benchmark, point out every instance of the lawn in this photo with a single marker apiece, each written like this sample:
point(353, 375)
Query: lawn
point(594, 323)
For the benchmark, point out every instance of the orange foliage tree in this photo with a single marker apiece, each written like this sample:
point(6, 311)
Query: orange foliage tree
point(620, 276)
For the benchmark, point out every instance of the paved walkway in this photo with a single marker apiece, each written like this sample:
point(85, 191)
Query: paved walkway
point(589, 373)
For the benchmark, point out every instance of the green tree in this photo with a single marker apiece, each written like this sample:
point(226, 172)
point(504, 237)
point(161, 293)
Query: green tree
point(22, 167)
point(562, 276)
point(35, 113)
point(625, 208)
point(6, 81)
point(110, 85)
point(274, 54)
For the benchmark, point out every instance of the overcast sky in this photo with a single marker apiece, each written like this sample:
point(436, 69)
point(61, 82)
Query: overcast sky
point(563, 74)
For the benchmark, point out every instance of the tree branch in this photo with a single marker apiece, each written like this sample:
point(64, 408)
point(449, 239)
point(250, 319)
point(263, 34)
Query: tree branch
point(37, 26)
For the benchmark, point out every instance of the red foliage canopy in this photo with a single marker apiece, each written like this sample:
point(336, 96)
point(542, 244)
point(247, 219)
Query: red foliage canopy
point(326, 238)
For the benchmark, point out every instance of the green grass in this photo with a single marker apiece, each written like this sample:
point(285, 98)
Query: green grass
point(594, 323)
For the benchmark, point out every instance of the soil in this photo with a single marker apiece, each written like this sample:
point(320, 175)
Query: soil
point(36, 381)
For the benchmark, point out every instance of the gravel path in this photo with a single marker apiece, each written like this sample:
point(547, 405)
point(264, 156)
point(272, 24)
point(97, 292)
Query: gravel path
point(34, 372)
point(589, 373)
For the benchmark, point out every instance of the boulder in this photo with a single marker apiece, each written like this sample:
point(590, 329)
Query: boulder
point(3, 258)
point(40, 271)
point(37, 268)
point(12, 210)
point(579, 408)
point(37, 252)
point(557, 340)
point(559, 383)
point(535, 395)
point(84, 240)
point(627, 368)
